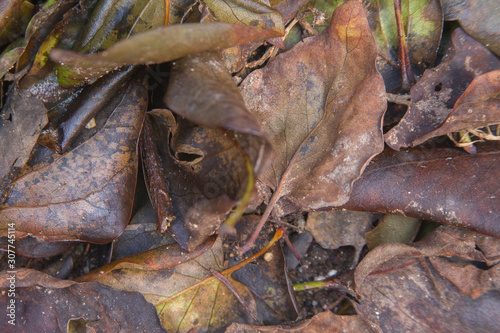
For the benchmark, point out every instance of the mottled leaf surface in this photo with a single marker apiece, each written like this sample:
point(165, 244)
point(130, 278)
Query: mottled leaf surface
point(21, 121)
point(444, 185)
point(253, 13)
point(85, 194)
point(160, 45)
point(176, 283)
point(435, 94)
point(478, 106)
point(321, 105)
point(433, 285)
point(47, 304)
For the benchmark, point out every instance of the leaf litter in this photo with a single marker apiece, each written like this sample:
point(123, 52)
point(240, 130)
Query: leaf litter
point(313, 113)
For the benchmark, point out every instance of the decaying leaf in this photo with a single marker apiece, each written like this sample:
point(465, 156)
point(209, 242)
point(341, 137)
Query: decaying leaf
point(321, 104)
point(183, 288)
point(320, 323)
point(434, 285)
point(43, 303)
point(206, 171)
point(21, 121)
point(253, 13)
point(478, 106)
point(479, 18)
point(160, 45)
point(393, 229)
point(444, 185)
point(85, 194)
point(340, 228)
point(435, 94)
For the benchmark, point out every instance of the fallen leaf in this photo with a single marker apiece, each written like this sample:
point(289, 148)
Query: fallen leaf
point(52, 305)
point(182, 287)
point(85, 194)
point(253, 13)
point(313, 103)
point(160, 45)
point(434, 95)
point(393, 229)
point(321, 322)
point(422, 21)
point(21, 121)
point(202, 90)
point(434, 285)
point(444, 185)
point(335, 229)
point(479, 18)
point(206, 173)
point(9, 59)
point(108, 25)
point(477, 107)
point(30, 247)
point(14, 17)
point(140, 235)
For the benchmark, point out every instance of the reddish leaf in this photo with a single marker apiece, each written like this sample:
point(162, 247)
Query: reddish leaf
point(43, 303)
point(442, 184)
point(433, 97)
point(86, 193)
point(435, 285)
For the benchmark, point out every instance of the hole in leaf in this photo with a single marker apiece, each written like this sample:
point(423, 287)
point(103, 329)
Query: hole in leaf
point(186, 157)
point(438, 87)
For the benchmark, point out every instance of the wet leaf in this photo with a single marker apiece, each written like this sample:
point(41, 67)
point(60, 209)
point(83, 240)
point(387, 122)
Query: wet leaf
point(434, 96)
point(160, 45)
point(253, 13)
point(479, 18)
point(85, 194)
point(312, 102)
point(393, 229)
point(435, 285)
point(444, 185)
point(21, 121)
point(14, 17)
point(45, 303)
point(206, 171)
point(322, 322)
point(340, 228)
point(477, 107)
